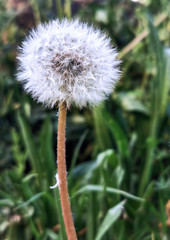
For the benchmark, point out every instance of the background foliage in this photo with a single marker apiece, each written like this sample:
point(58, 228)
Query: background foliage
point(117, 153)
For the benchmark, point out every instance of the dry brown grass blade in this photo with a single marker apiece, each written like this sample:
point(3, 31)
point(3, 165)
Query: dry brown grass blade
point(141, 36)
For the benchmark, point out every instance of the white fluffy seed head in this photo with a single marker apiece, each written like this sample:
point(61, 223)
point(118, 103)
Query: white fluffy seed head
point(68, 62)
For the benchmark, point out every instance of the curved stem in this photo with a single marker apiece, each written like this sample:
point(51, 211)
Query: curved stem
point(62, 175)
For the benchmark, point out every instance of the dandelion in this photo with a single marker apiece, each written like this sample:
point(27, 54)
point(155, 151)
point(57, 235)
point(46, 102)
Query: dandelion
point(65, 63)
point(68, 62)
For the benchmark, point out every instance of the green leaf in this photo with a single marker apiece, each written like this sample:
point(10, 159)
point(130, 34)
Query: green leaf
point(49, 234)
point(100, 161)
point(46, 150)
point(118, 134)
point(100, 188)
point(62, 232)
point(6, 202)
point(88, 168)
point(159, 97)
point(30, 145)
point(166, 83)
point(20, 156)
point(31, 200)
point(119, 175)
point(112, 215)
point(77, 150)
point(29, 177)
point(130, 102)
point(102, 133)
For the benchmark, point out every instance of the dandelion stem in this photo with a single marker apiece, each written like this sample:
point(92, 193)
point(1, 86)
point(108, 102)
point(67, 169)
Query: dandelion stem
point(62, 175)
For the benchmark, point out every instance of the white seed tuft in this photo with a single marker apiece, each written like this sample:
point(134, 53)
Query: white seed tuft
point(68, 61)
point(57, 182)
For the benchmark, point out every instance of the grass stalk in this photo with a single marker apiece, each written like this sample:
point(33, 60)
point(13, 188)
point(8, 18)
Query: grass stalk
point(67, 8)
point(59, 9)
point(36, 11)
point(159, 95)
point(62, 232)
point(62, 175)
point(142, 35)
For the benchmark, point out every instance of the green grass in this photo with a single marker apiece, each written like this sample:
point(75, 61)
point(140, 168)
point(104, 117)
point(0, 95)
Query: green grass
point(117, 154)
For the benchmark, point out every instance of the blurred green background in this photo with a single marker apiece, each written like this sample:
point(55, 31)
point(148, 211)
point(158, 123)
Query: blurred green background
point(118, 154)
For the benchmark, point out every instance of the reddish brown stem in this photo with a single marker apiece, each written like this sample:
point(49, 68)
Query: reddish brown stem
point(62, 175)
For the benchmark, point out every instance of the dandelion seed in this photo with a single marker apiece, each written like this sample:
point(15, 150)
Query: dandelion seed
point(57, 182)
point(68, 61)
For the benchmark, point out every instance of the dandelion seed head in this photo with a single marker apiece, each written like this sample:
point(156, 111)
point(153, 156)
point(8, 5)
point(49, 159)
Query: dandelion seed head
point(68, 61)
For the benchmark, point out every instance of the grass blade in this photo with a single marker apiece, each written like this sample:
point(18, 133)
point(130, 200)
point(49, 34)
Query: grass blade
point(30, 145)
point(31, 200)
point(99, 188)
point(63, 235)
point(46, 150)
point(118, 134)
point(112, 215)
point(102, 134)
point(77, 150)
